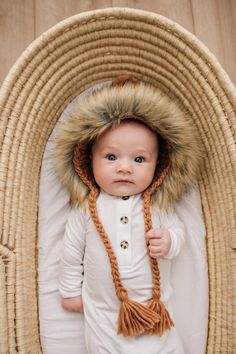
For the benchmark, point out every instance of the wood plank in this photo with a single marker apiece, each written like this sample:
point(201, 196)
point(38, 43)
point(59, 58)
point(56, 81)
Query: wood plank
point(215, 26)
point(213, 22)
point(16, 31)
point(50, 12)
point(179, 11)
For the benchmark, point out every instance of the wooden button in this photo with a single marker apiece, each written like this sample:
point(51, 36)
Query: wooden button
point(124, 219)
point(124, 245)
point(126, 197)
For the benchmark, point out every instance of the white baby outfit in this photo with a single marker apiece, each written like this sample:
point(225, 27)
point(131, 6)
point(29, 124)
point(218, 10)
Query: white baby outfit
point(85, 269)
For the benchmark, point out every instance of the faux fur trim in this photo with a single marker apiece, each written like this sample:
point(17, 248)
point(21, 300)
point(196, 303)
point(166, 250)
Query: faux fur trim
point(108, 106)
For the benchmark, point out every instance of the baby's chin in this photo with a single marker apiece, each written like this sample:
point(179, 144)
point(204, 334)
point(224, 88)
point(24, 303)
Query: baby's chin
point(122, 192)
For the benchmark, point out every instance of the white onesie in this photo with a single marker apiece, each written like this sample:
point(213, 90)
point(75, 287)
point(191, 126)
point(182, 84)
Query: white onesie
point(86, 271)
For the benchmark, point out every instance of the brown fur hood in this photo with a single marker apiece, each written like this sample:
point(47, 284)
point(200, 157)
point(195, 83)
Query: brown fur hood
point(108, 106)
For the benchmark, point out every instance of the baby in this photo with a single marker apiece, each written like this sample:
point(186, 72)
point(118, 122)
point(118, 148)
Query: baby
point(126, 154)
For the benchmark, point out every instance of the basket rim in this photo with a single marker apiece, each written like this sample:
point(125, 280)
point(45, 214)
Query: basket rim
point(122, 12)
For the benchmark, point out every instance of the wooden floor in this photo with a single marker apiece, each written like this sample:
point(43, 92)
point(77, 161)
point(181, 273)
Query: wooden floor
point(212, 21)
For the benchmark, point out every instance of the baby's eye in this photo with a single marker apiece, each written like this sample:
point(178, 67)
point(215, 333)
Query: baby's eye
point(111, 157)
point(139, 159)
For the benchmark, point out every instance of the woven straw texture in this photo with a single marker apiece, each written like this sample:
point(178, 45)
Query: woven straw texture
point(78, 53)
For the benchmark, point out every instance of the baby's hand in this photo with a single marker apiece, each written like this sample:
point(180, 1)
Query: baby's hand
point(73, 304)
point(159, 242)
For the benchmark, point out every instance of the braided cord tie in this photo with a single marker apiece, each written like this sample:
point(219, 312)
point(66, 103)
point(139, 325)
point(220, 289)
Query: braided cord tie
point(155, 303)
point(120, 290)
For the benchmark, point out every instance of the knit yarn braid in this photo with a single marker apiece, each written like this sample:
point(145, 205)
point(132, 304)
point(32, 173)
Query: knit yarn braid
point(134, 318)
point(155, 303)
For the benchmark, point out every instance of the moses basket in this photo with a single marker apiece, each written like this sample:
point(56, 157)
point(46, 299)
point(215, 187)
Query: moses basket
point(76, 54)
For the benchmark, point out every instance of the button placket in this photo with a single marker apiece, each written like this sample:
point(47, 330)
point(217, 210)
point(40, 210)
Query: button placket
point(124, 232)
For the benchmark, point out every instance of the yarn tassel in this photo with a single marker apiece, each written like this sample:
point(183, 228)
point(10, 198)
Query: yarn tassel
point(135, 319)
point(165, 322)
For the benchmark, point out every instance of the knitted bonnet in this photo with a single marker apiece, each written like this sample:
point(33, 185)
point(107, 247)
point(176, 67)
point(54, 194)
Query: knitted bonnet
point(176, 170)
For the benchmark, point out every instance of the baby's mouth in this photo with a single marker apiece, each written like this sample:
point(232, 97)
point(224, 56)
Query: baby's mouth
point(123, 181)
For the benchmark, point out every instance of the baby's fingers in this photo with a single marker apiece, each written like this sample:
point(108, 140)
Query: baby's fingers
point(155, 251)
point(154, 233)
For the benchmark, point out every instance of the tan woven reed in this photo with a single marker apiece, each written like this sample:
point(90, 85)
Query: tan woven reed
point(74, 55)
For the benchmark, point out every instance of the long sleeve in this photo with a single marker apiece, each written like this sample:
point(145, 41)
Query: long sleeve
point(170, 221)
point(71, 266)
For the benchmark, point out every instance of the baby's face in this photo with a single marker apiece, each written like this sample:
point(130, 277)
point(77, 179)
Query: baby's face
point(124, 159)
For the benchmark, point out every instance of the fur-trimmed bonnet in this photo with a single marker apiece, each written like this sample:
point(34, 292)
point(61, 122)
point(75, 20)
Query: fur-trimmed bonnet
point(176, 170)
point(109, 106)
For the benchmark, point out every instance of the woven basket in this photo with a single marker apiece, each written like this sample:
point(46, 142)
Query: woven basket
point(78, 53)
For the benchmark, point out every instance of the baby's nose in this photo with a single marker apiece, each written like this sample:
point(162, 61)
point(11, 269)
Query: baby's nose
point(125, 166)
